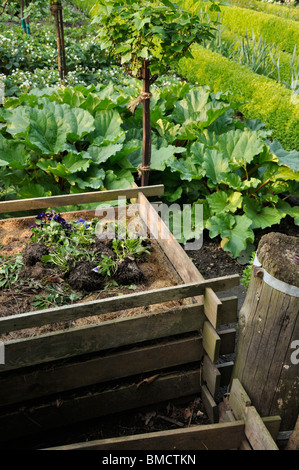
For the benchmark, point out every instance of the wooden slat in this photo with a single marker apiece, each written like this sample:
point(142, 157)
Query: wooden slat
point(209, 404)
point(81, 198)
point(211, 341)
point(222, 436)
point(63, 411)
point(225, 370)
point(228, 341)
point(212, 308)
point(170, 246)
point(19, 387)
point(211, 376)
point(272, 423)
point(256, 432)
point(106, 335)
point(114, 304)
point(228, 312)
point(238, 399)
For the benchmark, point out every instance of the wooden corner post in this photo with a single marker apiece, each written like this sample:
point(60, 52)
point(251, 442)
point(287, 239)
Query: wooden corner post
point(267, 360)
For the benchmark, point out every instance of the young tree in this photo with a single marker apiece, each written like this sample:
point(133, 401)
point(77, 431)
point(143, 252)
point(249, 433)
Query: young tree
point(148, 38)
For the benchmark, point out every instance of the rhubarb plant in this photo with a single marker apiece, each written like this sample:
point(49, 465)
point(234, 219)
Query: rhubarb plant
point(57, 141)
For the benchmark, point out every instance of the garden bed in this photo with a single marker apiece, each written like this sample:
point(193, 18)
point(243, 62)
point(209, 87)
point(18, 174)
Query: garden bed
point(40, 285)
point(92, 362)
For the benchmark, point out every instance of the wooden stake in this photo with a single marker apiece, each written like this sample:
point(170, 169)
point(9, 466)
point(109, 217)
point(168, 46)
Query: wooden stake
point(146, 146)
point(56, 10)
point(266, 362)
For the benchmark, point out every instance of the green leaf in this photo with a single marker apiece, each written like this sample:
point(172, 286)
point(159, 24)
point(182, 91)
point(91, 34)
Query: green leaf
point(44, 134)
point(223, 201)
point(92, 178)
point(235, 231)
point(118, 179)
point(13, 154)
point(32, 190)
point(107, 128)
point(188, 168)
point(240, 147)
point(215, 165)
point(164, 156)
point(261, 217)
point(76, 121)
point(18, 120)
point(238, 236)
point(290, 159)
point(101, 154)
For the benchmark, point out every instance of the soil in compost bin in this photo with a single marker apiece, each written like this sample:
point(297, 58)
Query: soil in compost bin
point(152, 271)
point(173, 414)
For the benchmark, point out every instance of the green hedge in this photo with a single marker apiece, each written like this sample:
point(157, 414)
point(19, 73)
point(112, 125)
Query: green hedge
point(281, 31)
point(263, 98)
point(290, 12)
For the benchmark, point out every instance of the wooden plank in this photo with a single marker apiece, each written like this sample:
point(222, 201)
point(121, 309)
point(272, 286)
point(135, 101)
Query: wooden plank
point(212, 308)
point(228, 341)
point(272, 423)
point(225, 369)
point(211, 341)
point(229, 311)
point(81, 198)
point(103, 336)
point(114, 304)
point(238, 399)
point(245, 445)
point(170, 246)
point(209, 404)
point(221, 436)
point(63, 411)
point(256, 432)
point(57, 378)
point(211, 376)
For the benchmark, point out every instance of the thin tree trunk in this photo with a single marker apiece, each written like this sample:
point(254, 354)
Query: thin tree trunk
point(146, 144)
point(56, 10)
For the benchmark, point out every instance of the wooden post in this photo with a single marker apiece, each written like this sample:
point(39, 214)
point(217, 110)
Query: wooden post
point(268, 348)
point(56, 10)
point(146, 145)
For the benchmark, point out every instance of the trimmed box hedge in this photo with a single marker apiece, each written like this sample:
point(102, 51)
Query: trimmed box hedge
point(272, 103)
point(290, 12)
point(281, 31)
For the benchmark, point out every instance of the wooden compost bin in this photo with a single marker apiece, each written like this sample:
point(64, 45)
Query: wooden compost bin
point(45, 380)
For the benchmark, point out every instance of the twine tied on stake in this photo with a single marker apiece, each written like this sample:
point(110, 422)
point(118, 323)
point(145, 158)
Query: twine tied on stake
point(143, 96)
point(141, 169)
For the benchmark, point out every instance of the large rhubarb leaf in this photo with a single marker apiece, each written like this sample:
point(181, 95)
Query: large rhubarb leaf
point(107, 128)
point(261, 217)
point(225, 201)
point(240, 146)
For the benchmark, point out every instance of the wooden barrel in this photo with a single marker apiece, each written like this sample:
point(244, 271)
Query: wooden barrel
point(267, 359)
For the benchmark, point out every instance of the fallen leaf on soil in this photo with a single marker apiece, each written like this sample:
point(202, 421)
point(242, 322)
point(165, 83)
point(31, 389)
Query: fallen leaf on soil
point(148, 380)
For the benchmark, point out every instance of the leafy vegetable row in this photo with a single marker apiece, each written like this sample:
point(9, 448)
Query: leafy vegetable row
point(78, 139)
